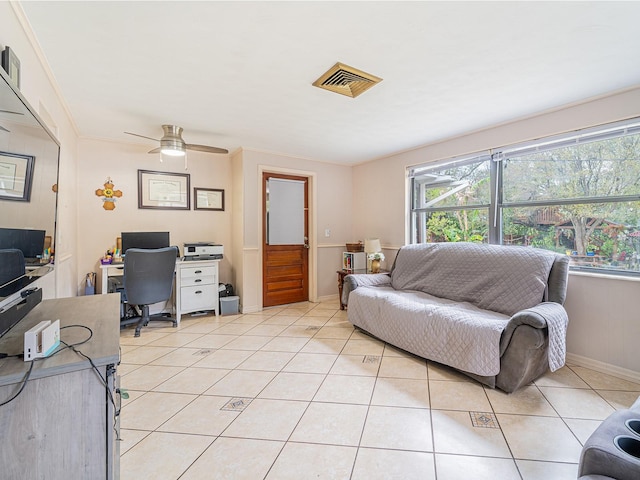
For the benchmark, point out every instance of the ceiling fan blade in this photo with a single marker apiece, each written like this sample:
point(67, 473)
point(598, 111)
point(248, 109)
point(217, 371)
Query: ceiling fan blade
point(9, 111)
point(143, 136)
point(155, 150)
point(205, 148)
point(4, 129)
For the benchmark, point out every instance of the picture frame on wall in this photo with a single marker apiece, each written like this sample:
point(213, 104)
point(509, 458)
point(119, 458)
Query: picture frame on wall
point(163, 190)
point(16, 174)
point(11, 65)
point(208, 199)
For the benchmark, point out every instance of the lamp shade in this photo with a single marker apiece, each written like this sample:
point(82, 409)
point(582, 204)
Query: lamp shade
point(372, 245)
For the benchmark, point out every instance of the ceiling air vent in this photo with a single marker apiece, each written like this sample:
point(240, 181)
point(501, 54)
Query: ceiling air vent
point(346, 80)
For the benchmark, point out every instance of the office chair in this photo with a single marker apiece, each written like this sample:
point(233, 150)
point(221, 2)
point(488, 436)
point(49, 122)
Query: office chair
point(148, 279)
point(11, 265)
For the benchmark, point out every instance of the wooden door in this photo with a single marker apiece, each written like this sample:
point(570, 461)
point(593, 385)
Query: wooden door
point(285, 264)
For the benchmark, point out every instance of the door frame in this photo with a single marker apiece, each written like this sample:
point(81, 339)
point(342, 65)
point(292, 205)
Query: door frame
point(313, 244)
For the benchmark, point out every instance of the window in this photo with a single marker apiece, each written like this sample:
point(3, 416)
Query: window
point(577, 194)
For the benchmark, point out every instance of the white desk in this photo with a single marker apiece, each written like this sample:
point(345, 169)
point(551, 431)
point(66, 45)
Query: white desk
point(196, 285)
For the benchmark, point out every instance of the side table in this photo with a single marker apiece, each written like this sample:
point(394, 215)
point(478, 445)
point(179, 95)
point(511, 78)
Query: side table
point(343, 273)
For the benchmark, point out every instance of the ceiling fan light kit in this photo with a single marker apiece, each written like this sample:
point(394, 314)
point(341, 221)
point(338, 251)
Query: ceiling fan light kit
point(172, 148)
point(173, 145)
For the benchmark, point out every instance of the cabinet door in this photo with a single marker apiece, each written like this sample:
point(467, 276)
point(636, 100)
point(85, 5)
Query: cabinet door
point(42, 426)
point(199, 297)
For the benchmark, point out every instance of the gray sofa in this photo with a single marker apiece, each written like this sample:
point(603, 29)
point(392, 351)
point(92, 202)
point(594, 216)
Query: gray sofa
point(493, 312)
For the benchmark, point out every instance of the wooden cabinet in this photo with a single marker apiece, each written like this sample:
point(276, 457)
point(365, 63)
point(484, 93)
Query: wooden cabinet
point(196, 287)
point(64, 423)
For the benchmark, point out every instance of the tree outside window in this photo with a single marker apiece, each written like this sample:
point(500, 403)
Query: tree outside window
point(577, 195)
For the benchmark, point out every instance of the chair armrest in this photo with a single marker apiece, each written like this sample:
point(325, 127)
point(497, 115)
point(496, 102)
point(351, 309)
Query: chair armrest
point(534, 317)
point(353, 281)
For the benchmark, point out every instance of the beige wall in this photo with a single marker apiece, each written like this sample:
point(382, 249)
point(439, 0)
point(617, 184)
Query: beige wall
point(331, 208)
point(603, 311)
point(99, 228)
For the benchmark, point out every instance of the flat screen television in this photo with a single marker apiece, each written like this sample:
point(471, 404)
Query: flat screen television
point(144, 240)
point(29, 155)
point(30, 242)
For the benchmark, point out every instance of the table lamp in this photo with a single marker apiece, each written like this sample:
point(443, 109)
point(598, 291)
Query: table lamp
point(371, 245)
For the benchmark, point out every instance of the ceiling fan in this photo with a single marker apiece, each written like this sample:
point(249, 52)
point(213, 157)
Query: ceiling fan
point(173, 145)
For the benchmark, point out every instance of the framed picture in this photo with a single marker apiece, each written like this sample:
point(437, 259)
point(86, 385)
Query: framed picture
point(11, 65)
point(16, 172)
point(208, 199)
point(163, 190)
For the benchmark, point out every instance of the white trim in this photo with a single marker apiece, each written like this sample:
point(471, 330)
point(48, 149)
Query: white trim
point(606, 276)
point(244, 310)
point(602, 367)
point(328, 298)
point(63, 258)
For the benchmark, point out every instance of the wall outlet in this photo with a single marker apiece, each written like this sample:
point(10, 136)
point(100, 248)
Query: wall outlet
point(327, 232)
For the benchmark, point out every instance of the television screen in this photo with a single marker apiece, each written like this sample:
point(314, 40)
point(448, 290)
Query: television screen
point(144, 240)
point(30, 242)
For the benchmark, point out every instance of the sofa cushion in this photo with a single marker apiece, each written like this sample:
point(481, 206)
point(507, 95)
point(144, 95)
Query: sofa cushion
point(458, 334)
point(504, 279)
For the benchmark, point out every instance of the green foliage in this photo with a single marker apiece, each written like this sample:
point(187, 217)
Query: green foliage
point(442, 228)
point(598, 169)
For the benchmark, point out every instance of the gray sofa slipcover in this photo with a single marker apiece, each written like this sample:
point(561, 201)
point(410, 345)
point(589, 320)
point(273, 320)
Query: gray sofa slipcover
point(493, 312)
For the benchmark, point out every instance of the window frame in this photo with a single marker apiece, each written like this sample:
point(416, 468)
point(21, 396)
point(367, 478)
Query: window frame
point(496, 156)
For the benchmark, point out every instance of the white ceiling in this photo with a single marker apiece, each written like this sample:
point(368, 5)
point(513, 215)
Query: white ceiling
point(239, 74)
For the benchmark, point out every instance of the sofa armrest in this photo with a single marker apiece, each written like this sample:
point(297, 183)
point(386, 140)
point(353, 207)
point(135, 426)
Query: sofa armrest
point(353, 281)
point(534, 317)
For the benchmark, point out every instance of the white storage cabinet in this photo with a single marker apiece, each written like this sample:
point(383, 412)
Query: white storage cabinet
point(196, 287)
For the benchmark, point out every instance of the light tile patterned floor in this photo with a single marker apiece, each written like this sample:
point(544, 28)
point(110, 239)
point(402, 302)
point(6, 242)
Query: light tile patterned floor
point(297, 393)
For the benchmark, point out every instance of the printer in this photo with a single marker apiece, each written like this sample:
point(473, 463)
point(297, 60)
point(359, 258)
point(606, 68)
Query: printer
point(203, 251)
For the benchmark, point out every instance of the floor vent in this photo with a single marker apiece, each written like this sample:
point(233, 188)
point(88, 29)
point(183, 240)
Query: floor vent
point(346, 80)
point(237, 404)
point(484, 420)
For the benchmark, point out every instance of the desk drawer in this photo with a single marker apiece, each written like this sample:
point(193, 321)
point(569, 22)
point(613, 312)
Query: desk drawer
point(199, 297)
point(198, 275)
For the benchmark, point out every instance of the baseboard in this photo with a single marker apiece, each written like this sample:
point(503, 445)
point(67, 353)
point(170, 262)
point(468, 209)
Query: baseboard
point(324, 298)
point(602, 367)
point(253, 309)
point(328, 298)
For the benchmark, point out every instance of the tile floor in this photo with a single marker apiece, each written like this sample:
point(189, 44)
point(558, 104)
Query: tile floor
point(297, 393)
